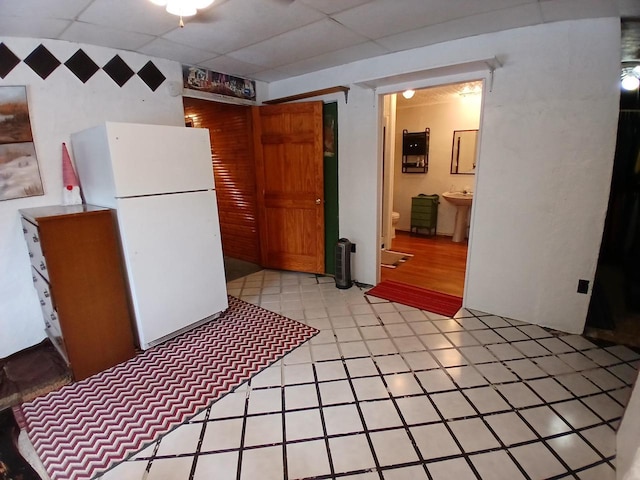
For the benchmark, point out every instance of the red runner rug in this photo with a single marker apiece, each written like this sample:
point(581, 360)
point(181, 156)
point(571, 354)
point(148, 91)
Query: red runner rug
point(436, 302)
point(86, 428)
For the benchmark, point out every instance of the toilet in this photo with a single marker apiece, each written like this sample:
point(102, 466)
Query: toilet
point(395, 216)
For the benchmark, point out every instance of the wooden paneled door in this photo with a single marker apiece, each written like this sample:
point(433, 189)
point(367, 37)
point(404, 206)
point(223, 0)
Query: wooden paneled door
point(290, 189)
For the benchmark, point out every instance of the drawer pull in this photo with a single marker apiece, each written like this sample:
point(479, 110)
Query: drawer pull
point(46, 322)
point(42, 266)
point(24, 230)
point(53, 317)
point(46, 293)
point(42, 302)
point(35, 238)
point(30, 255)
point(35, 279)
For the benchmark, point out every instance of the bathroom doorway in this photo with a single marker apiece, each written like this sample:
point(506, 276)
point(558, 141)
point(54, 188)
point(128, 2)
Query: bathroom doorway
point(449, 117)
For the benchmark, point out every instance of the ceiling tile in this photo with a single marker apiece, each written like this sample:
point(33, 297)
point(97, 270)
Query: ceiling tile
point(270, 76)
point(331, 6)
point(219, 36)
point(389, 17)
point(180, 53)
point(224, 64)
point(106, 37)
point(139, 16)
point(32, 27)
point(270, 17)
point(339, 57)
point(321, 37)
point(558, 10)
point(69, 9)
point(516, 17)
point(239, 23)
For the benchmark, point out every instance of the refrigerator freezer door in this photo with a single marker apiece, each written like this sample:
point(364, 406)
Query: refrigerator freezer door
point(174, 261)
point(129, 159)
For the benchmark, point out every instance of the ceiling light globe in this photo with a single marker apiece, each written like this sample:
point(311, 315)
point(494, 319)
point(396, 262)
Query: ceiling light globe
point(408, 94)
point(629, 82)
point(181, 8)
point(200, 4)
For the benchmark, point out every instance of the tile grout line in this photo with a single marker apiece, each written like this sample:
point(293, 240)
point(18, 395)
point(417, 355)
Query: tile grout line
point(244, 429)
point(196, 454)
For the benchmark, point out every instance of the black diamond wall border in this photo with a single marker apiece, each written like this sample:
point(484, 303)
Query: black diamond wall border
point(151, 76)
point(118, 70)
point(43, 63)
point(8, 60)
point(82, 66)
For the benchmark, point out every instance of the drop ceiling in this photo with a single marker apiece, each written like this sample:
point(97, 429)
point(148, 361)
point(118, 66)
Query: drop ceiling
point(271, 40)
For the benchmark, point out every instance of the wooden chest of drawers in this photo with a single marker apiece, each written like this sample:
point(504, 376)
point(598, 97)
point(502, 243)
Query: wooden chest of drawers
point(424, 213)
point(78, 274)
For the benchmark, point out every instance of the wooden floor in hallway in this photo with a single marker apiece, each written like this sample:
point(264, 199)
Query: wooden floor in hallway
point(437, 264)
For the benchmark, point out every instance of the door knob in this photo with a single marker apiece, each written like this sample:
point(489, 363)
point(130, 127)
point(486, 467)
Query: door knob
point(318, 201)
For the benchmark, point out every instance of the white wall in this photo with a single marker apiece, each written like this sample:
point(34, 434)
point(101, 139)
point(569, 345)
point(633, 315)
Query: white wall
point(58, 106)
point(549, 132)
point(442, 119)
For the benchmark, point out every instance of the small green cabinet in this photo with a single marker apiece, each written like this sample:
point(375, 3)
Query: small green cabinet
point(424, 213)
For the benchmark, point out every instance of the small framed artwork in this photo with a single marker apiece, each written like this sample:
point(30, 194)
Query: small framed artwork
point(19, 169)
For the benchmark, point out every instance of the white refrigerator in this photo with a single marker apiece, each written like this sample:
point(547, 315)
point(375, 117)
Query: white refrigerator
point(159, 179)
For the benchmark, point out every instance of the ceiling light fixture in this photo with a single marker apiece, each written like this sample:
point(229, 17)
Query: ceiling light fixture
point(408, 94)
point(470, 89)
point(630, 76)
point(630, 82)
point(183, 8)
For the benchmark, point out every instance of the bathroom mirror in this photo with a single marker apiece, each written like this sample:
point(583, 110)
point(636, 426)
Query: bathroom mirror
point(463, 152)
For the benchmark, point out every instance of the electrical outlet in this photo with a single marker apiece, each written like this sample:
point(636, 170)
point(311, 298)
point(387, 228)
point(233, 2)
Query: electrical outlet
point(353, 248)
point(583, 286)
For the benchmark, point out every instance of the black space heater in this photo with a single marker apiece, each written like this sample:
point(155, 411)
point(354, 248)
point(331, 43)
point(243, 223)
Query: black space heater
point(343, 264)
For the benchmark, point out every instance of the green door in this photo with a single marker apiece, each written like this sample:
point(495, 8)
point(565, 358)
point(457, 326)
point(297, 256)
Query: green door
point(330, 141)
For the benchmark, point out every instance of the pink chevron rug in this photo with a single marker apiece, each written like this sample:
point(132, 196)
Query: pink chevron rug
point(86, 428)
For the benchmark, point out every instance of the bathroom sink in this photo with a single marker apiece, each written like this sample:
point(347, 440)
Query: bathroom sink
point(462, 202)
point(459, 199)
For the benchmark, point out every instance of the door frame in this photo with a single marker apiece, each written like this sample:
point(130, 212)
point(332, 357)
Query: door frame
point(419, 84)
point(331, 185)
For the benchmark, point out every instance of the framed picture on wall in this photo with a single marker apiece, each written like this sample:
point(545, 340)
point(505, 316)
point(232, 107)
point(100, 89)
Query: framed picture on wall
point(19, 169)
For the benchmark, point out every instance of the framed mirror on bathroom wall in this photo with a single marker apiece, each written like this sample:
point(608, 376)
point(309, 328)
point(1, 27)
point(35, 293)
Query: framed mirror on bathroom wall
point(464, 152)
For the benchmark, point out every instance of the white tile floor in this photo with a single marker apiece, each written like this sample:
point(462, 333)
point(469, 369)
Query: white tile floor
point(386, 391)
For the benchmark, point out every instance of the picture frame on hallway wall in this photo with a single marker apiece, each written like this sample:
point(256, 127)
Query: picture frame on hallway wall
point(19, 170)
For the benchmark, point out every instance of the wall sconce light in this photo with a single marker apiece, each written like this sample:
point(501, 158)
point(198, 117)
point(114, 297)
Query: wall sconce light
point(408, 94)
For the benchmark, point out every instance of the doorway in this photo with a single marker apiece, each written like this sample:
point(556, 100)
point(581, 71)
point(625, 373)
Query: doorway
point(435, 261)
point(614, 309)
point(233, 132)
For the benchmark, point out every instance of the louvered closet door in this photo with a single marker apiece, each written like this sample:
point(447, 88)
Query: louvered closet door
point(234, 167)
